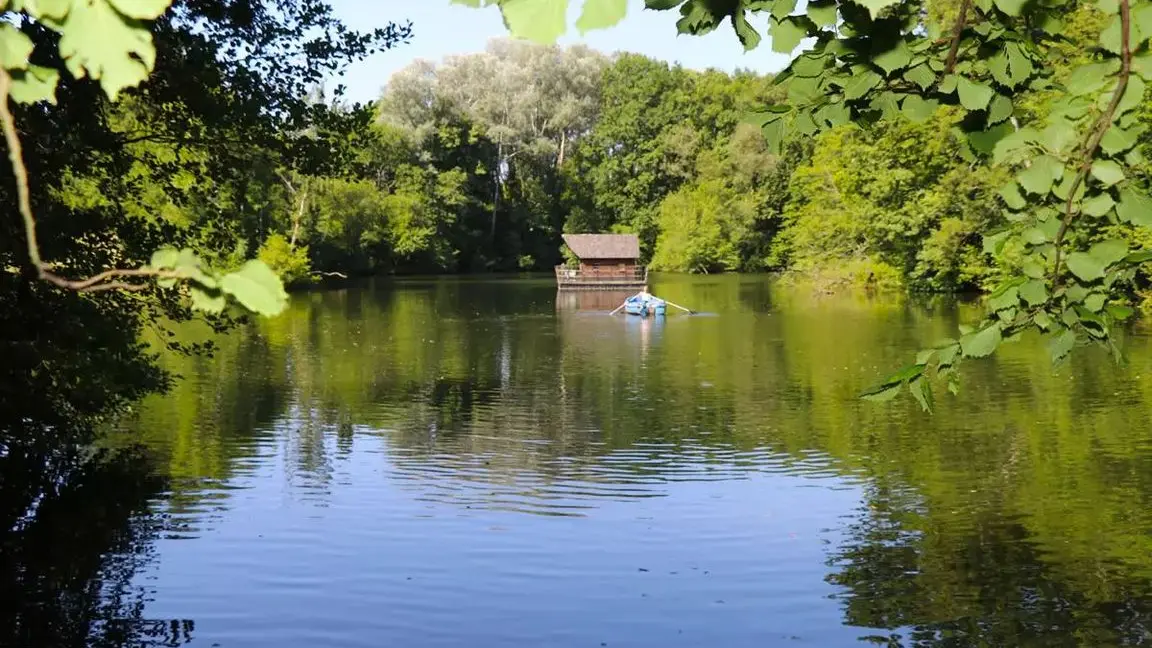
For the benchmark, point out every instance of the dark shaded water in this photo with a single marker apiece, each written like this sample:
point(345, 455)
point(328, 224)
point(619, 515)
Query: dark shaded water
point(471, 463)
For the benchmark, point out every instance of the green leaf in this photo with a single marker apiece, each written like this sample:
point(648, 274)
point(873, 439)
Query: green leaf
point(15, 48)
point(1094, 302)
point(1034, 236)
point(1010, 66)
point(985, 141)
point(894, 58)
point(883, 393)
point(786, 34)
point(1098, 205)
point(210, 301)
point(601, 14)
point(34, 84)
point(1117, 140)
point(165, 258)
point(836, 114)
point(542, 21)
point(1000, 109)
point(1034, 292)
point(1110, 251)
point(1019, 65)
point(1085, 266)
point(974, 95)
point(256, 287)
point(891, 385)
point(1120, 313)
point(99, 42)
point(906, 373)
point(803, 90)
point(1142, 22)
point(948, 84)
point(146, 9)
point(1058, 136)
point(947, 354)
point(1032, 269)
point(1012, 196)
point(1107, 172)
point(993, 243)
point(649, 4)
point(808, 66)
point(1042, 319)
point(188, 264)
point(773, 133)
point(50, 9)
point(1133, 96)
point(918, 109)
point(921, 75)
point(921, 389)
point(782, 8)
point(1134, 207)
point(1038, 177)
point(822, 12)
point(1014, 146)
point(1089, 79)
point(1060, 346)
point(982, 343)
point(1007, 299)
point(1049, 23)
point(886, 103)
point(1065, 187)
point(745, 32)
point(861, 84)
point(1110, 37)
point(1010, 7)
point(1050, 228)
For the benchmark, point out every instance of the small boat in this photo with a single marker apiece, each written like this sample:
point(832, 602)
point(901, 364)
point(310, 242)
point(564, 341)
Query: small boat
point(644, 305)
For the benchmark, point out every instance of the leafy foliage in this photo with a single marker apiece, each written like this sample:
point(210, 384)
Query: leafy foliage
point(158, 200)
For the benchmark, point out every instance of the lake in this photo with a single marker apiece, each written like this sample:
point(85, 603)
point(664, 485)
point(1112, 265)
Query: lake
point(481, 462)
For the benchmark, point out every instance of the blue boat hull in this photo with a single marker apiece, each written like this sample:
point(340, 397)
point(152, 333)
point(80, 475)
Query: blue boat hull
point(644, 308)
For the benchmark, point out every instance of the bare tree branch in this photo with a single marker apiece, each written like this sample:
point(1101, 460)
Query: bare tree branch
point(957, 31)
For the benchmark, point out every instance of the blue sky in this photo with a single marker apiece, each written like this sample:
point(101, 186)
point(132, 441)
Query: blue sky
point(441, 29)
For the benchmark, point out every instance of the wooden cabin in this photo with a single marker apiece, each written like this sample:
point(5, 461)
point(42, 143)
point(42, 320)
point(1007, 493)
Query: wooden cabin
point(607, 262)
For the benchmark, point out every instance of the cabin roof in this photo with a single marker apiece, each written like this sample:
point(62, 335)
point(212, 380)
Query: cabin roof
point(604, 246)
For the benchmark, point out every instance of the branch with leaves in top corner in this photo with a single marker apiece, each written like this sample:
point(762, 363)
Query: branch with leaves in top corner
point(109, 41)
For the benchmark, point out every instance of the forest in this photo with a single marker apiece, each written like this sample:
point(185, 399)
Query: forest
point(479, 162)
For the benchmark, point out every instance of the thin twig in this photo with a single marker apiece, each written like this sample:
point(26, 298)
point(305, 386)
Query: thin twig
point(957, 31)
point(16, 155)
point(102, 281)
point(1093, 138)
point(96, 283)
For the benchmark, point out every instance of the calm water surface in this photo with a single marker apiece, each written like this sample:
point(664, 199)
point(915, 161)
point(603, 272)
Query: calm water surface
point(481, 463)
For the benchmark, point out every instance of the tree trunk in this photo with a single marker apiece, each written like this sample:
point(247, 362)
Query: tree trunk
point(298, 217)
point(563, 141)
point(496, 189)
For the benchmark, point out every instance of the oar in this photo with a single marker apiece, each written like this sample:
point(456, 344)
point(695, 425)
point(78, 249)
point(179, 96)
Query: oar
point(618, 308)
point(686, 310)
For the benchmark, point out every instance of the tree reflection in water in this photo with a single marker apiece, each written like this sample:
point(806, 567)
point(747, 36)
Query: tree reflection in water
point(66, 572)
